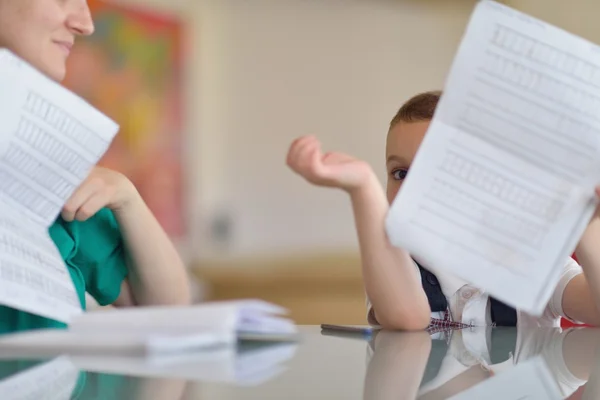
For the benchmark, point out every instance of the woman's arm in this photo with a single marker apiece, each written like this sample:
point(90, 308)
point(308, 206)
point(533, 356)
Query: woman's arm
point(157, 275)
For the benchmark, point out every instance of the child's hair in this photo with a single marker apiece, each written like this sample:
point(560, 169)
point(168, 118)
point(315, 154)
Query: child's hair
point(419, 108)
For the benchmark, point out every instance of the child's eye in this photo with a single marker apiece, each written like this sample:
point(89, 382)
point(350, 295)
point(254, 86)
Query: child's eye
point(399, 174)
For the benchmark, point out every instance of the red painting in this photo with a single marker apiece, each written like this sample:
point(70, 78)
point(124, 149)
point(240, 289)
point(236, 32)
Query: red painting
point(131, 69)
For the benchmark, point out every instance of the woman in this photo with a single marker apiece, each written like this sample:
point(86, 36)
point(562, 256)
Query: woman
point(111, 243)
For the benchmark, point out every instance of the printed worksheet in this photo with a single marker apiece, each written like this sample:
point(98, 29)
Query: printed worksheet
point(502, 187)
point(50, 140)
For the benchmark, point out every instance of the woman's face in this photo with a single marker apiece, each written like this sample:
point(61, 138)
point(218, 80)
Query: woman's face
point(42, 32)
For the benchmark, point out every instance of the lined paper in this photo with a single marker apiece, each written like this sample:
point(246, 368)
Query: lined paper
point(50, 141)
point(502, 187)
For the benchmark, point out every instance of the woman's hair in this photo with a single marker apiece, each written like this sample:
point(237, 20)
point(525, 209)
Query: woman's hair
point(419, 108)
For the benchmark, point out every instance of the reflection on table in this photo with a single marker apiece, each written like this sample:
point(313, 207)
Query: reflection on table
point(491, 363)
point(494, 363)
point(137, 377)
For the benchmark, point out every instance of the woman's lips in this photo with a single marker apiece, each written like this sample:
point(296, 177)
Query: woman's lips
point(65, 46)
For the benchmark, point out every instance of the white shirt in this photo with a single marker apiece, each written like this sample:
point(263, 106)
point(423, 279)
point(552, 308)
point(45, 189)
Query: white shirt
point(471, 305)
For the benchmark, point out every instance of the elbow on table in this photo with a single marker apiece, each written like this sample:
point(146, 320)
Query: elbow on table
point(180, 298)
point(179, 293)
point(415, 321)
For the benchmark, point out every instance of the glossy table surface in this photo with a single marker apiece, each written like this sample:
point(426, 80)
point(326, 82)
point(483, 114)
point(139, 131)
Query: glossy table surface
point(499, 363)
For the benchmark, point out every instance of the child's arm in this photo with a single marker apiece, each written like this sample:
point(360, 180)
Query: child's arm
point(157, 275)
point(392, 282)
point(581, 299)
point(391, 279)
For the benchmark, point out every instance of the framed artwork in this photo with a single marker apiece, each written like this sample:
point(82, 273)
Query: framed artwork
point(131, 69)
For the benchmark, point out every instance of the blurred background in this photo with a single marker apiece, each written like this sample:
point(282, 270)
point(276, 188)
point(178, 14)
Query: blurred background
point(209, 95)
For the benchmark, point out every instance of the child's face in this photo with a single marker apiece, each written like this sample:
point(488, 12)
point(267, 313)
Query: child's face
point(403, 140)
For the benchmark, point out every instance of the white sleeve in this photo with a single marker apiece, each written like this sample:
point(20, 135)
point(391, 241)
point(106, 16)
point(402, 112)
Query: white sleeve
point(371, 320)
point(554, 309)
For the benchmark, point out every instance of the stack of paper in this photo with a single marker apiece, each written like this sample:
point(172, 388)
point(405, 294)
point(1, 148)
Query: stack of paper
point(502, 186)
point(252, 316)
point(157, 330)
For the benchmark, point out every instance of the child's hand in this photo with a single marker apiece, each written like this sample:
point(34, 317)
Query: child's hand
point(331, 169)
point(102, 188)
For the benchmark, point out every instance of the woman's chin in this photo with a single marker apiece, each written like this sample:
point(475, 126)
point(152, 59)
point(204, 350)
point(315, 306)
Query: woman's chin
point(55, 69)
point(57, 74)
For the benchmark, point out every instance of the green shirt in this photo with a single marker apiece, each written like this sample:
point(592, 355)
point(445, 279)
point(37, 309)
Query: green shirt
point(94, 254)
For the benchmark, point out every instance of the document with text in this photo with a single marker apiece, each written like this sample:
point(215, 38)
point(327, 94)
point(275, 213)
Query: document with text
point(50, 140)
point(502, 187)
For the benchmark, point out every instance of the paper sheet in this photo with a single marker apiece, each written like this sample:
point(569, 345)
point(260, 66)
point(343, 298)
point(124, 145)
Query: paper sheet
point(33, 276)
point(44, 343)
point(50, 139)
point(502, 186)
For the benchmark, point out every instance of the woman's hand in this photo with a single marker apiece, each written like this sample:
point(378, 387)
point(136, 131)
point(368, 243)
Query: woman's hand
point(102, 188)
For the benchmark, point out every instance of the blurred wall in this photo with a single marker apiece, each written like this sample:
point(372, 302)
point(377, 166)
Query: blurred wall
point(263, 72)
point(577, 16)
point(272, 70)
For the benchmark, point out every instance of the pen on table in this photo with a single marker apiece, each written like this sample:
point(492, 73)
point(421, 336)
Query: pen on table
point(348, 330)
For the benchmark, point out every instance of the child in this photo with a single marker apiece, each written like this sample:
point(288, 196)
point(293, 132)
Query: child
point(405, 295)
point(111, 243)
